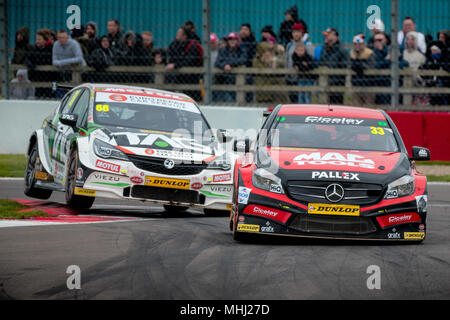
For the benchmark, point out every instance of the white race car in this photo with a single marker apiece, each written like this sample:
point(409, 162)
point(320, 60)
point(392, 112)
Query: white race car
point(133, 143)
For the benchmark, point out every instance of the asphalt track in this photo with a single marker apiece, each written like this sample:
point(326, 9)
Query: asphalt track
point(190, 256)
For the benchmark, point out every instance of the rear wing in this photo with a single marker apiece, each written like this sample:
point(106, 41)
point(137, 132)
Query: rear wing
point(56, 86)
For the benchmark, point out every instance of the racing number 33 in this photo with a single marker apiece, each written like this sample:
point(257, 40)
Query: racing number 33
point(375, 130)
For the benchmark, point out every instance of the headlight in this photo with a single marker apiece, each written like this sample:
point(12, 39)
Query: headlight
point(107, 151)
point(220, 163)
point(265, 180)
point(401, 187)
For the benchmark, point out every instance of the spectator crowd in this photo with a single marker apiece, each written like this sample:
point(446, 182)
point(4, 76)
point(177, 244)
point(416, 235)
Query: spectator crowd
point(290, 47)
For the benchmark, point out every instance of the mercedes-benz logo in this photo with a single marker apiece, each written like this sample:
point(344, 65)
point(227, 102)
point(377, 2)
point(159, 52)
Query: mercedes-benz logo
point(169, 163)
point(334, 192)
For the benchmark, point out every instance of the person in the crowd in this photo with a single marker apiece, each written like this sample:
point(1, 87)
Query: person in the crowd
point(232, 56)
point(302, 61)
point(214, 48)
point(147, 45)
point(291, 18)
point(114, 33)
point(267, 32)
point(362, 58)
point(23, 46)
point(66, 51)
point(184, 51)
point(298, 31)
point(191, 30)
point(437, 58)
point(159, 57)
point(132, 52)
point(41, 54)
point(266, 59)
point(333, 55)
point(416, 60)
point(93, 40)
point(18, 92)
point(82, 38)
point(104, 56)
point(248, 43)
point(408, 26)
point(377, 27)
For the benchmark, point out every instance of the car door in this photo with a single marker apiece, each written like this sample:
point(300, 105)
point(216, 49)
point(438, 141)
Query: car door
point(61, 131)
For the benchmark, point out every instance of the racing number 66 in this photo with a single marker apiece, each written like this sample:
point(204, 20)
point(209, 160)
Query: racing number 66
point(102, 107)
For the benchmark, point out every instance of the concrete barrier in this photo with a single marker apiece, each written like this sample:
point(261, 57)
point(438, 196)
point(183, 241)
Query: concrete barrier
point(19, 118)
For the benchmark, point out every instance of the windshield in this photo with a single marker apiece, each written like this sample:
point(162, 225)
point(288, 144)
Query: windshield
point(149, 117)
point(333, 133)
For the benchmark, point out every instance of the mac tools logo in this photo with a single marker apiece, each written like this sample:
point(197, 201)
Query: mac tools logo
point(334, 158)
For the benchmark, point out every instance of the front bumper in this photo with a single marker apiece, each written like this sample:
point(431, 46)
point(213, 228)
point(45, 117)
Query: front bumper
point(402, 221)
point(197, 191)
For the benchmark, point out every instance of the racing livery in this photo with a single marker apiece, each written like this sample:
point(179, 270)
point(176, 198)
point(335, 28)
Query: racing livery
point(132, 143)
point(329, 172)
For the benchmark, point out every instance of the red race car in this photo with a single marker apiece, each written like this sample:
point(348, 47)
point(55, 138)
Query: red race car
point(329, 172)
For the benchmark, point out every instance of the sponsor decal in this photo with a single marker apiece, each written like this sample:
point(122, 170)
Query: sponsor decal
point(196, 185)
point(394, 235)
point(335, 175)
point(422, 203)
point(85, 192)
point(334, 158)
point(69, 117)
point(243, 195)
point(333, 209)
point(107, 166)
point(275, 188)
point(333, 120)
point(224, 188)
point(136, 180)
point(241, 218)
point(118, 97)
point(79, 173)
point(267, 228)
point(248, 227)
point(421, 226)
point(398, 218)
point(150, 152)
point(222, 177)
point(414, 235)
point(267, 212)
point(167, 183)
point(391, 194)
point(40, 175)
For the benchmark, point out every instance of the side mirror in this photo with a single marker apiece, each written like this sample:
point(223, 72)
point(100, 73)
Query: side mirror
point(420, 153)
point(69, 119)
point(224, 135)
point(241, 145)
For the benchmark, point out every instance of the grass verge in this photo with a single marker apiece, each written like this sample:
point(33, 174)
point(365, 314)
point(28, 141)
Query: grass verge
point(10, 210)
point(12, 165)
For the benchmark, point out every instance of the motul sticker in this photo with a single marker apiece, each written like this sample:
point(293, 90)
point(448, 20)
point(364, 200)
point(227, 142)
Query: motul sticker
point(222, 177)
point(108, 166)
point(334, 158)
point(398, 218)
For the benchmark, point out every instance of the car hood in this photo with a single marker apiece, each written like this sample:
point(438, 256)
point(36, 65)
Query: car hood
point(155, 144)
point(337, 165)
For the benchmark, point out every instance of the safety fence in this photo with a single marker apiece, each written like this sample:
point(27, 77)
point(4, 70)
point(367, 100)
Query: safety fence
point(245, 89)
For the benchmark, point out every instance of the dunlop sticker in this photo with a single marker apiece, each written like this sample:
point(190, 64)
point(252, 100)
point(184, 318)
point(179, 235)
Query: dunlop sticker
point(167, 183)
point(248, 227)
point(333, 209)
point(85, 192)
point(414, 235)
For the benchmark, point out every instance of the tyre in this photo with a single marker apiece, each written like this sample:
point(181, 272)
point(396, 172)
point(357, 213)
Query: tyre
point(73, 200)
point(29, 189)
point(174, 209)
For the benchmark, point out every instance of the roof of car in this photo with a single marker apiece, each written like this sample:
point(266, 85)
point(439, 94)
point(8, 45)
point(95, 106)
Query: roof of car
point(330, 111)
point(110, 86)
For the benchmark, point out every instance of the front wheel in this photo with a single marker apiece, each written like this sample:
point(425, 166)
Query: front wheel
point(73, 200)
point(29, 189)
